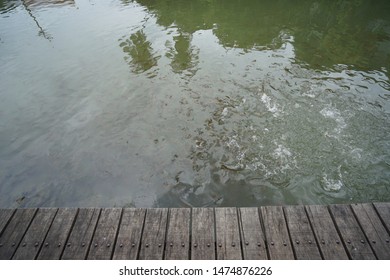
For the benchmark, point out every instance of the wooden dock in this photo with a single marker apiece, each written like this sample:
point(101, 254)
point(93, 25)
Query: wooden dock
point(357, 231)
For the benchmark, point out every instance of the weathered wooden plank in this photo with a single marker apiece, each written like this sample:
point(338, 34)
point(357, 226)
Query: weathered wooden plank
point(55, 240)
point(303, 240)
point(153, 239)
point(103, 241)
point(129, 235)
point(5, 216)
point(325, 230)
point(252, 235)
point(354, 240)
point(278, 240)
point(383, 210)
point(81, 234)
point(203, 234)
point(14, 232)
point(227, 234)
point(374, 230)
point(178, 234)
point(33, 239)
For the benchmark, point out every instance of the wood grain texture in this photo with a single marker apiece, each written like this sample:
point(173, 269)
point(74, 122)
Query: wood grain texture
point(302, 236)
point(278, 240)
point(103, 242)
point(227, 234)
point(33, 239)
point(383, 210)
point(5, 216)
point(130, 234)
point(353, 237)
point(14, 232)
point(203, 234)
point(153, 239)
point(252, 235)
point(81, 234)
point(178, 235)
point(374, 230)
point(58, 234)
point(329, 241)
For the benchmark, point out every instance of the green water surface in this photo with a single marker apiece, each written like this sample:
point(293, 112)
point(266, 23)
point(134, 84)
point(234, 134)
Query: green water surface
point(170, 103)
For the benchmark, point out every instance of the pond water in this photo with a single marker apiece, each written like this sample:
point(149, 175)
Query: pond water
point(171, 103)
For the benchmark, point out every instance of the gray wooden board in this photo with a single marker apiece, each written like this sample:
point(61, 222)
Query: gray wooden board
point(55, 240)
point(329, 241)
point(81, 234)
point(227, 234)
point(302, 237)
point(252, 235)
point(153, 238)
point(351, 233)
point(129, 235)
point(14, 232)
point(5, 216)
point(178, 234)
point(203, 234)
point(374, 230)
point(384, 212)
point(276, 233)
point(33, 239)
point(103, 241)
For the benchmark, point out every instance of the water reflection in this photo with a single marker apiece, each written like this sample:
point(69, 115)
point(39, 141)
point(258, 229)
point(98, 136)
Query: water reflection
point(326, 34)
point(228, 103)
point(140, 54)
point(36, 4)
point(183, 56)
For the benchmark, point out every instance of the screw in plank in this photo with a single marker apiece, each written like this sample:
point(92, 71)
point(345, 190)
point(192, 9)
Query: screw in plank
point(132, 244)
point(147, 245)
point(220, 244)
point(183, 245)
point(121, 245)
point(13, 244)
point(272, 243)
point(36, 244)
point(46, 244)
point(373, 241)
point(108, 245)
point(59, 244)
point(323, 241)
point(195, 245)
point(208, 244)
point(337, 241)
point(297, 241)
point(171, 244)
point(159, 244)
point(83, 244)
point(284, 244)
point(95, 244)
point(24, 244)
point(258, 244)
point(246, 242)
point(362, 241)
point(309, 241)
point(387, 240)
point(233, 244)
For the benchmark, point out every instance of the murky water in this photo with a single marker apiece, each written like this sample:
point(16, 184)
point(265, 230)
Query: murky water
point(194, 102)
